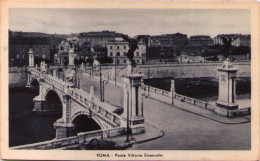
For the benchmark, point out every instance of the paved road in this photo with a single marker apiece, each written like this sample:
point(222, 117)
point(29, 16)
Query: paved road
point(186, 131)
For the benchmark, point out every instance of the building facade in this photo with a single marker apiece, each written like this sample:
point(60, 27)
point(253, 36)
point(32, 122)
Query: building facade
point(242, 40)
point(64, 50)
point(200, 40)
point(98, 38)
point(177, 39)
point(117, 50)
point(190, 59)
point(19, 47)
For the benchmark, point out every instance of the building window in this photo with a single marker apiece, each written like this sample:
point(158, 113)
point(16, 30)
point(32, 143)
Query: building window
point(118, 54)
point(117, 61)
point(56, 60)
point(111, 53)
point(124, 47)
point(111, 47)
point(124, 61)
point(137, 53)
point(43, 48)
point(36, 48)
point(137, 60)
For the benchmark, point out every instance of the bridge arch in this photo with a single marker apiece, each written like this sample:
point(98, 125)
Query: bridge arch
point(53, 102)
point(84, 123)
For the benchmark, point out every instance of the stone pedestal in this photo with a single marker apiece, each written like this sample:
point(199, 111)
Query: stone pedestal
point(226, 104)
point(133, 107)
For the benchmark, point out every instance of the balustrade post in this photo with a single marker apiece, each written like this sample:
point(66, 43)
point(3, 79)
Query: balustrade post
point(173, 90)
point(205, 105)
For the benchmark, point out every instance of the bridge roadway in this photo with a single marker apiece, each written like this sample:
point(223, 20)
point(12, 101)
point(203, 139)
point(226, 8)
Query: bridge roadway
point(188, 131)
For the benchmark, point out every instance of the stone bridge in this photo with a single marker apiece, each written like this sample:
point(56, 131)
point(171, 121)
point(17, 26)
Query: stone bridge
point(62, 97)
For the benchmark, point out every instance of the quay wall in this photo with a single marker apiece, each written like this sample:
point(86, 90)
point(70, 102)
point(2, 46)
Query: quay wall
point(180, 70)
point(17, 77)
point(192, 70)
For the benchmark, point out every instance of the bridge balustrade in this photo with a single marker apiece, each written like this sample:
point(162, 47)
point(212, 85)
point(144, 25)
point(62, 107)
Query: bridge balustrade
point(179, 97)
point(96, 107)
point(81, 97)
point(51, 144)
point(83, 137)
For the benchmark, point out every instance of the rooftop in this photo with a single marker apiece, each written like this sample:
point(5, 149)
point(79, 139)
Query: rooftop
point(100, 34)
point(29, 40)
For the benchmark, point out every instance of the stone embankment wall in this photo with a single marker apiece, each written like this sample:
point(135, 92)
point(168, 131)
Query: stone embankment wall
point(17, 77)
point(180, 70)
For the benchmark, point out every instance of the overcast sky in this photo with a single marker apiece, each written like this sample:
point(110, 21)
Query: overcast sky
point(131, 21)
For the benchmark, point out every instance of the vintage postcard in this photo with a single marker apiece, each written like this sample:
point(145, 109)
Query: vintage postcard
point(126, 80)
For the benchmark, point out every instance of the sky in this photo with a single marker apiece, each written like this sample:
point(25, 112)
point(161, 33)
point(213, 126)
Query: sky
point(131, 21)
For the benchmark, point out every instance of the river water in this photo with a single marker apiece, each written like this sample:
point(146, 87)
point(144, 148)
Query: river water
point(26, 126)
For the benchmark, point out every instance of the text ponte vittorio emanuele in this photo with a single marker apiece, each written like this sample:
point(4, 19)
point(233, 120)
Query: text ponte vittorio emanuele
point(129, 155)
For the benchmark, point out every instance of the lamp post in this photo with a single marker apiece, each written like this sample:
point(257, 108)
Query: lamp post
point(115, 68)
point(127, 120)
point(100, 82)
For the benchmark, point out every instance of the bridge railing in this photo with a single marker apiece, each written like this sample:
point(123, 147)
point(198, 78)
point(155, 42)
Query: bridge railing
point(101, 134)
point(83, 137)
point(182, 98)
point(106, 115)
point(82, 97)
point(51, 144)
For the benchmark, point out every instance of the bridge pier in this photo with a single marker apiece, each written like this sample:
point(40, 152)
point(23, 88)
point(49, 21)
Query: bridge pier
point(133, 106)
point(65, 128)
point(40, 101)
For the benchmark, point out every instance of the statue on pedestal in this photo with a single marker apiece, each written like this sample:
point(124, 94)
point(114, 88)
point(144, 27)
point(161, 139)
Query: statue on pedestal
point(43, 66)
point(133, 44)
point(70, 76)
point(227, 41)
